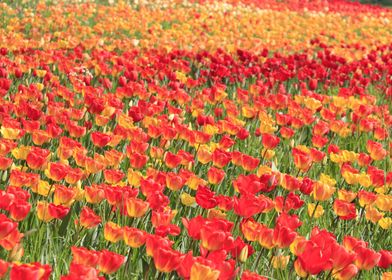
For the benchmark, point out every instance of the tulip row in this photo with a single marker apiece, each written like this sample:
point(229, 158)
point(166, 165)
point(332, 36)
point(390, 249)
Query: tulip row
point(349, 28)
point(175, 162)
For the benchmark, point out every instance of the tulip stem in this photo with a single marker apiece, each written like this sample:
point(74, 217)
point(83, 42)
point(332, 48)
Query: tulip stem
point(236, 224)
point(76, 234)
point(128, 263)
point(329, 274)
point(258, 259)
point(147, 273)
point(240, 272)
point(314, 210)
point(264, 154)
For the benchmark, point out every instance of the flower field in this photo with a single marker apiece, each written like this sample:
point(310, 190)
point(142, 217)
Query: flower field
point(201, 140)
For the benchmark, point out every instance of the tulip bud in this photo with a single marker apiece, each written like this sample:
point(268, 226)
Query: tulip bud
point(16, 253)
point(4, 176)
point(167, 145)
point(280, 262)
point(86, 116)
point(299, 269)
point(244, 254)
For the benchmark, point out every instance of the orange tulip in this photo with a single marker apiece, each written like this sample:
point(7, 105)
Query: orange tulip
point(136, 208)
point(375, 149)
point(203, 272)
point(81, 255)
point(134, 237)
point(215, 175)
point(113, 232)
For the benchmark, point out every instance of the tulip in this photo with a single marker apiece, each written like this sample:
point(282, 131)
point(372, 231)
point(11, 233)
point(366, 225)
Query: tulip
point(100, 139)
point(206, 198)
point(345, 210)
point(366, 258)
point(136, 208)
point(283, 236)
point(203, 272)
point(88, 218)
point(385, 260)
point(7, 226)
point(347, 273)
point(270, 141)
point(109, 262)
point(134, 237)
point(214, 239)
point(166, 259)
point(113, 232)
point(215, 175)
point(375, 149)
point(30, 271)
point(322, 192)
point(82, 256)
point(3, 268)
point(19, 209)
point(315, 259)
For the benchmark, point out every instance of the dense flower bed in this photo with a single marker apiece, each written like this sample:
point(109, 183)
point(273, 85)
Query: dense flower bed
point(196, 140)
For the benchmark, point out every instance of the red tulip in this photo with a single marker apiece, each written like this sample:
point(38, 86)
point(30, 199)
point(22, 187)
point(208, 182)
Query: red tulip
point(5, 163)
point(138, 161)
point(315, 259)
point(32, 271)
point(57, 211)
point(172, 160)
point(3, 268)
point(100, 139)
point(37, 158)
point(248, 205)
point(88, 218)
point(302, 160)
point(166, 259)
point(78, 271)
point(6, 226)
point(221, 158)
point(82, 256)
point(270, 141)
point(109, 262)
point(247, 275)
point(366, 258)
point(290, 221)
point(154, 242)
point(19, 209)
point(283, 236)
point(205, 197)
point(385, 260)
point(57, 171)
point(341, 257)
point(213, 238)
